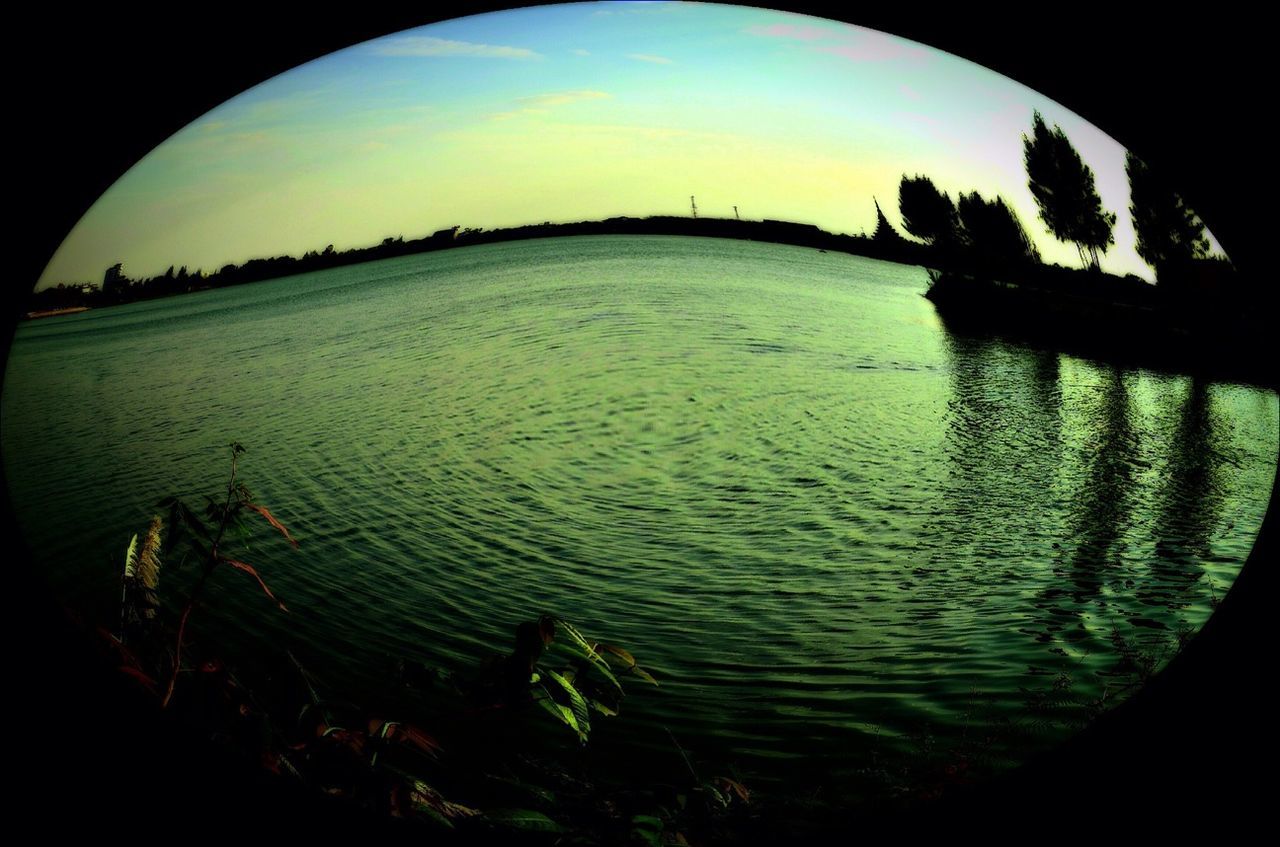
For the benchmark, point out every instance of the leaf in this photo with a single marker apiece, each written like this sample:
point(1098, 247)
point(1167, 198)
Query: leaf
point(241, 566)
point(736, 787)
point(147, 566)
point(643, 674)
point(131, 558)
point(647, 830)
point(619, 652)
point(425, 798)
point(547, 629)
point(182, 518)
point(524, 820)
point(262, 510)
point(720, 797)
point(576, 702)
point(584, 651)
point(561, 713)
point(603, 709)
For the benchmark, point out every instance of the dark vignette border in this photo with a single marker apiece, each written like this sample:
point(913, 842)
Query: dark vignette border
point(96, 90)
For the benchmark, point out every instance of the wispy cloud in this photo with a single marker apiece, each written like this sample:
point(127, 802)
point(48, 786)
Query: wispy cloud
point(648, 57)
point(540, 104)
point(854, 44)
point(580, 52)
point(560, 98)
point(425, 45)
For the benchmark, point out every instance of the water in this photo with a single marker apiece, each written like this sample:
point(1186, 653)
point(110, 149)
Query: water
point(829, 525)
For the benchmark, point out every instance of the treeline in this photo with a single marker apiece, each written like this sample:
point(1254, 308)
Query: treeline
point(1200, 316)
point(117, 287)
point(984, 237)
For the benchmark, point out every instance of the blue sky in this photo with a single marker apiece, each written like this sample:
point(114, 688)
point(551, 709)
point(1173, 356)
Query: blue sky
point(576, 112)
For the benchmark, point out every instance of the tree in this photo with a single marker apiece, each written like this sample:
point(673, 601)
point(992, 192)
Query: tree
point(927, 213)
point(1170, 236)
point(1063, 188)
point(994, 232)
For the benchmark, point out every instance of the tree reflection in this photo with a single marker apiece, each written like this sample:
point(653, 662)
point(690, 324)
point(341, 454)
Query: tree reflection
point(1098, 515)
point(1191, 501)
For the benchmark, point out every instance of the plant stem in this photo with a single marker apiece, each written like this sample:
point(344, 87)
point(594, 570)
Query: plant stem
point(182, 626)
point(683, 755)
point(204, 577)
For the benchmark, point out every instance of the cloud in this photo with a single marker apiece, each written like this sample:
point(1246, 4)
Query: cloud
point(515, 113)
point(647, 57)
point(540, 104)
point(852, 43)
point(425, 45)
point(562, 97)
point(580, 52)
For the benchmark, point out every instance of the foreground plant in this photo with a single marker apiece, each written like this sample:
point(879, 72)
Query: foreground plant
point(205, 539)
point(483, 777)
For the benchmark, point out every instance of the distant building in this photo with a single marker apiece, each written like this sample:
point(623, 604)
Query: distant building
point(446, 234)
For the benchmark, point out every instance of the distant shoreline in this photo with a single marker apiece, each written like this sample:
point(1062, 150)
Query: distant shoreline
point(117, 288)
point(50, 313)
point(1065, 308)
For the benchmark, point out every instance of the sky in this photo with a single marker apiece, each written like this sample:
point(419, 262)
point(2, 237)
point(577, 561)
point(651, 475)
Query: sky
point(582, 112)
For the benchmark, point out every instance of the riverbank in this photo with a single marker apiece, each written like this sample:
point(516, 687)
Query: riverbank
point(1116, 320)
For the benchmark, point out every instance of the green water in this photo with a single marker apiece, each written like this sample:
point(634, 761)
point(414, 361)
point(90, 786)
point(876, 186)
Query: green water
point(827, 523)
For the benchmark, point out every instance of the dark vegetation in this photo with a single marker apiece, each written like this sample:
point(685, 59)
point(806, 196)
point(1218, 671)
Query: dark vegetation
point(490, 751)
point(465, 753)
point(1201, 316)
point(117, 287)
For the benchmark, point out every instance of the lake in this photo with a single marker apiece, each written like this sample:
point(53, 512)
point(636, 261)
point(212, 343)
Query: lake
point(831, 527)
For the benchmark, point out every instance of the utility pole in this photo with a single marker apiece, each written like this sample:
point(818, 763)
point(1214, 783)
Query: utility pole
point(693, 206)
point(735, 214)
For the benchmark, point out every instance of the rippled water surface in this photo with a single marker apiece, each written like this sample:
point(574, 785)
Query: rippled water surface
point(830, 525)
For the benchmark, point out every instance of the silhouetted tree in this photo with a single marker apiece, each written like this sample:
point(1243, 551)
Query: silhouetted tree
point(1170, 236)
point(993, 231)
point(927, 213)
point(1062, 185)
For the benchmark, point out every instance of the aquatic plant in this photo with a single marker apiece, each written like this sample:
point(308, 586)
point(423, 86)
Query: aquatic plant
point(138, 600)
point(205, 538)
point(587, 683)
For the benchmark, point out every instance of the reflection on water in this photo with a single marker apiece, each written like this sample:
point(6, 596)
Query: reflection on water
point(1192, 499)
point(1101, 507)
